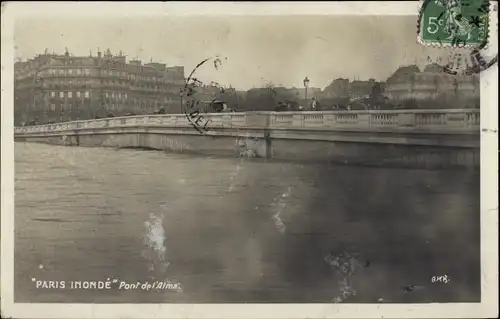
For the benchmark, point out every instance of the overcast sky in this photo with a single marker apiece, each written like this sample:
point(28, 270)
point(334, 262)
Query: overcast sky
point(254, 50)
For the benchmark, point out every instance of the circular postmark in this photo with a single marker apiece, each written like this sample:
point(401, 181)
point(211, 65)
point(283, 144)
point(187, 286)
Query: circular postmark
point(468, 62)
point(199, 98)
point(464, 26)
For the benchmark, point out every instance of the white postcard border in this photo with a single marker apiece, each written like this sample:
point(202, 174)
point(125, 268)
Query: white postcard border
point(489, 175)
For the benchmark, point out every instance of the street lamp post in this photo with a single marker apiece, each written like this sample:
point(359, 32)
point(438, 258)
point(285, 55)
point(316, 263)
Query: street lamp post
point(33, 106)
point(35, 91)
point(306, 85)
point(61, 111)
point(78, 109)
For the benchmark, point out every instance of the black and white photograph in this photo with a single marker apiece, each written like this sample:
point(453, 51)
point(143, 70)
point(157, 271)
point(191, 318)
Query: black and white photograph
point(249, 160)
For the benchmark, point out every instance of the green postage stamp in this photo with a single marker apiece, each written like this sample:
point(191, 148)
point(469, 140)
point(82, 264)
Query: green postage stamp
point(454, 23)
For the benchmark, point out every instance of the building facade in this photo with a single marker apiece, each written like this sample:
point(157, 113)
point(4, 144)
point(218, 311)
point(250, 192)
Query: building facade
point(356, 90)
point(360, 89)
point(339, 88)
point(433, 84)
point(58, 88)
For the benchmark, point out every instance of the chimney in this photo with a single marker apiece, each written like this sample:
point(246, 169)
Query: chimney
point(99, 55)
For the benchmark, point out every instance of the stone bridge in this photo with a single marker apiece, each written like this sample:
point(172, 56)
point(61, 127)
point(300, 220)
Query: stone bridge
point(415, 138)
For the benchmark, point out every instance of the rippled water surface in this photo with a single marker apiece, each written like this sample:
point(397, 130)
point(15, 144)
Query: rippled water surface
point(233, 230)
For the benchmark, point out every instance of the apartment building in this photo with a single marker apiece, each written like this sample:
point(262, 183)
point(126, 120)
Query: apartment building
point(432, 83)
point(53, 87)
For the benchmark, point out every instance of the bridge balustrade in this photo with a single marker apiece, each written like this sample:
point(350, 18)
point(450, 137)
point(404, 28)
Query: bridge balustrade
point(458, 119)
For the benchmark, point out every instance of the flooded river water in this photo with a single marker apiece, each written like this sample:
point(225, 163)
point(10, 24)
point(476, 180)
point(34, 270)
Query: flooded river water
point(238, 230)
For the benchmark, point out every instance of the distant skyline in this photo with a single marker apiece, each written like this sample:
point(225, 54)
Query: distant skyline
point(255, 51)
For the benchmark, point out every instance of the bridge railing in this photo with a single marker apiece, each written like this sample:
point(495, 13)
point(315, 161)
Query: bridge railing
point(435, 120)
point(369, 120)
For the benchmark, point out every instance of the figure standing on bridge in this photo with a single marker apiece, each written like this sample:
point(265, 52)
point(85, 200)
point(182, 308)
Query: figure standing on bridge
point(313, 104)
point(161, 110)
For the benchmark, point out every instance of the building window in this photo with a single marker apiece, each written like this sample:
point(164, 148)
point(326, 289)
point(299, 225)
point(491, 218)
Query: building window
point(77, 93)
point(53, 107)
point(87, 94)
point(53, 94)
point(78, 71)
point(70, 94)
point(61, 94)
point(107, 95)
point(113, 95)
point(124, 95)
point(70, 71)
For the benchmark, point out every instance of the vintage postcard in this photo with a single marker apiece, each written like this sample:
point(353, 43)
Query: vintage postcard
point(249, 160)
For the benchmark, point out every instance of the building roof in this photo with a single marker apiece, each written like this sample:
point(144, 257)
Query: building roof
point(403, 73)
point(433, 68)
